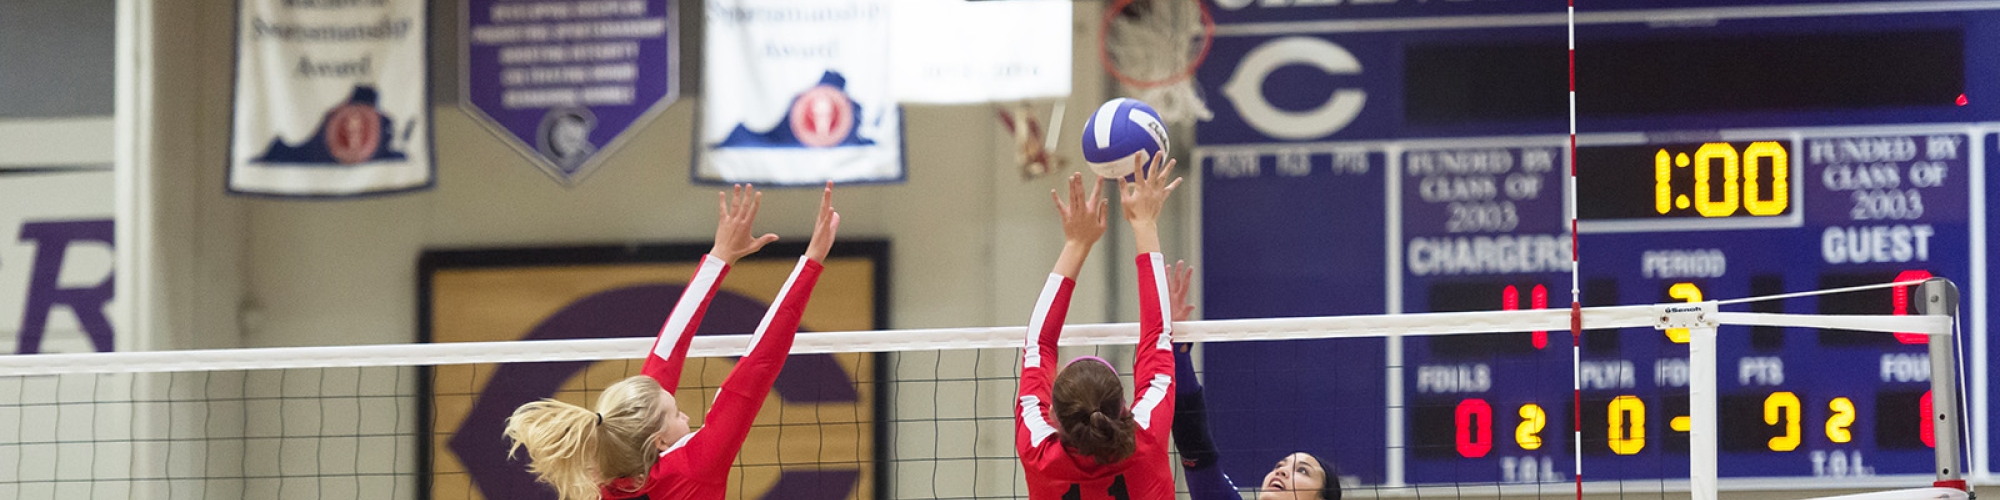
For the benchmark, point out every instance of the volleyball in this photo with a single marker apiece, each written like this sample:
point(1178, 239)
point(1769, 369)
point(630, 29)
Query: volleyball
point(1119, 131)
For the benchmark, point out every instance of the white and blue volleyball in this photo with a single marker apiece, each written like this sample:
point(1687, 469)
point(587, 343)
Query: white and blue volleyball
point(1120, 130)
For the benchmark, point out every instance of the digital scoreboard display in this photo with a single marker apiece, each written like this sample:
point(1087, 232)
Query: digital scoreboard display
point(1440, 194)
point(1696, 180)
point(1871, 208)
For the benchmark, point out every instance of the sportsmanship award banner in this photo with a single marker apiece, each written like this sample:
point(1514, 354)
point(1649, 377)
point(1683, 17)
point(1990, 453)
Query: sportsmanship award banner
point(330, 98)
point(797, 92)
point(564, 80)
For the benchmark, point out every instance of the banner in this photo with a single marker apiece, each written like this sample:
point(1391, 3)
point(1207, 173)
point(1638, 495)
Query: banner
point(960, 52)
point(562, 81)
point(797, 93)
point(331, 98)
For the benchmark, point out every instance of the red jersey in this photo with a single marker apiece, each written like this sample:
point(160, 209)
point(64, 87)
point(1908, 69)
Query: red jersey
point(1054, 471)
point(697, 467)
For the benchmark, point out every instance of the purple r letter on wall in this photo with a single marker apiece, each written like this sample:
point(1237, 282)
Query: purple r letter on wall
point(52, 241)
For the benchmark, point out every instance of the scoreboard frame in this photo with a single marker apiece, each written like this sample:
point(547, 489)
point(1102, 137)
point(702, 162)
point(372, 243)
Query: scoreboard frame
point(1368, 153)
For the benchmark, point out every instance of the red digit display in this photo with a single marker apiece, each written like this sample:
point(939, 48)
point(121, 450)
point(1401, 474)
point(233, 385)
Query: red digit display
point(1538, 298)
point(1900, 305)
point(1474, 427)
point(1925, 429)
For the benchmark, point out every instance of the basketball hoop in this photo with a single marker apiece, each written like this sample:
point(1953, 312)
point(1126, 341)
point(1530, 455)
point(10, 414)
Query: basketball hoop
point(1152, 47)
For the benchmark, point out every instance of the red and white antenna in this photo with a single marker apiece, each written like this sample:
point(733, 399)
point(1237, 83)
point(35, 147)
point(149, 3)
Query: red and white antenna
point(1575, 291)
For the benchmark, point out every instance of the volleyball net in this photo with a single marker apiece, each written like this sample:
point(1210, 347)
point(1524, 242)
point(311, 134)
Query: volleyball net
point(1659, 400)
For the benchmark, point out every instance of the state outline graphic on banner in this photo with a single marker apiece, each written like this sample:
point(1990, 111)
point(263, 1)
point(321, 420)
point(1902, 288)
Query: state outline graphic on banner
point(798, 94)
point(362, 69)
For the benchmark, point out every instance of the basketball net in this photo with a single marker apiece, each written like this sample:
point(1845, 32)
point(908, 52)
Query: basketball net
point(1153, 47)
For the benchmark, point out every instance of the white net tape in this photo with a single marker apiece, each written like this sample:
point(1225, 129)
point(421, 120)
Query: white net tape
point(348, 422)
point(1154, 42)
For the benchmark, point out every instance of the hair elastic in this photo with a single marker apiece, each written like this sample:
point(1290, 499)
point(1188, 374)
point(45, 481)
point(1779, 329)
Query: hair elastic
point(600, 418)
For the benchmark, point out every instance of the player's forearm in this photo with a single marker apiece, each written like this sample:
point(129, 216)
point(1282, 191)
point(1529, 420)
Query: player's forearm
point(1146, 235)
point(1046, 323)
point(772, 341)
point(1070, 262)
point(1154, 321)
point(670, 347)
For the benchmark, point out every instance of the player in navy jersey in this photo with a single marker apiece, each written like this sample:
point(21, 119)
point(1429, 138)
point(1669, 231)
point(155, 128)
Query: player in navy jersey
point(1298, 476)
point(1076, 438)
point(637, 444)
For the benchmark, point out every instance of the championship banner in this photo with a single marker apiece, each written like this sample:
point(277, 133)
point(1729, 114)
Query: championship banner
point(798, 93)
point(331, 99)
point(563, 81)
point(817, 435)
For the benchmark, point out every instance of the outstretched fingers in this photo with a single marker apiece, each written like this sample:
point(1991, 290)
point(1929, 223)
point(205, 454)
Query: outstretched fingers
point(825, 224)
point(1178, 280)
point(1076, 189)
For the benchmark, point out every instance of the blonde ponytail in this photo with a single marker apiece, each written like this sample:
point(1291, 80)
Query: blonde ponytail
point(576, 450)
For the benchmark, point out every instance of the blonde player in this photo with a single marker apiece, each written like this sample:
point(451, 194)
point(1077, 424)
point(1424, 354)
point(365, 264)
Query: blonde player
point(636, 442)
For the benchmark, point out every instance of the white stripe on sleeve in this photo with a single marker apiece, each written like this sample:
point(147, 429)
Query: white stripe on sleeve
point(784, 291)
point(1155, 393)
point(1166, 341)
point(1032, 356)
point(1031, 416)
point(677, 321)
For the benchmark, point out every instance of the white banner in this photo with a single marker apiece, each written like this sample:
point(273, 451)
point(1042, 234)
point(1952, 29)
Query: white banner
point(963, 52)
point(330, 98)
point(797, 92)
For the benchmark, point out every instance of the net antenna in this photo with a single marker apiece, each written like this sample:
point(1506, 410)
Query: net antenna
point(1153, 48)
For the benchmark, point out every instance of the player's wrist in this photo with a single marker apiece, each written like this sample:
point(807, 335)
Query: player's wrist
point(724, 255)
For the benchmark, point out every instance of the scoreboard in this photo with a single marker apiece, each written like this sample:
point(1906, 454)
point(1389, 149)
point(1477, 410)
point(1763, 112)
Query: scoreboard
point(1407, 157)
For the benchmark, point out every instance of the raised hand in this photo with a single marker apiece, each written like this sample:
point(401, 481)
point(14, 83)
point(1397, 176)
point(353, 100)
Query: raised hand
point(1144, 195)
point(1082, 221)
point(1178, 279)
point(824, 226)
point(733, 238)
point(1083, 216)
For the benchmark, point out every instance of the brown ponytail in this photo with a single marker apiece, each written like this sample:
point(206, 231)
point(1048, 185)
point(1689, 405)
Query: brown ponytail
point(1090, 406)
point(576, 450)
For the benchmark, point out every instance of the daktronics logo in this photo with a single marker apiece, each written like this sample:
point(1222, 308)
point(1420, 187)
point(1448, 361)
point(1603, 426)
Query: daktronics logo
point(1245, 89)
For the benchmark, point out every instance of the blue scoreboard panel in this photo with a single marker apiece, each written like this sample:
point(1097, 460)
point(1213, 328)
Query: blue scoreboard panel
point(1408, 157)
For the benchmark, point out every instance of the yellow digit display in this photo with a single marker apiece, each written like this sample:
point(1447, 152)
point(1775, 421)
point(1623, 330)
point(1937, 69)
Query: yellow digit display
point(1781, 167)
point(1843, 416)
point(1624, 410)
point(1687, 292)
point(1663, 188)
point(1704, 161)
point(1783, 405)
point(1754, 181)
point(1529, 433)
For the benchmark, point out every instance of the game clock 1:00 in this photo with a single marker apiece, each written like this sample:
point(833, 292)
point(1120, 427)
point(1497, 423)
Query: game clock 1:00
point(1688, 180)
